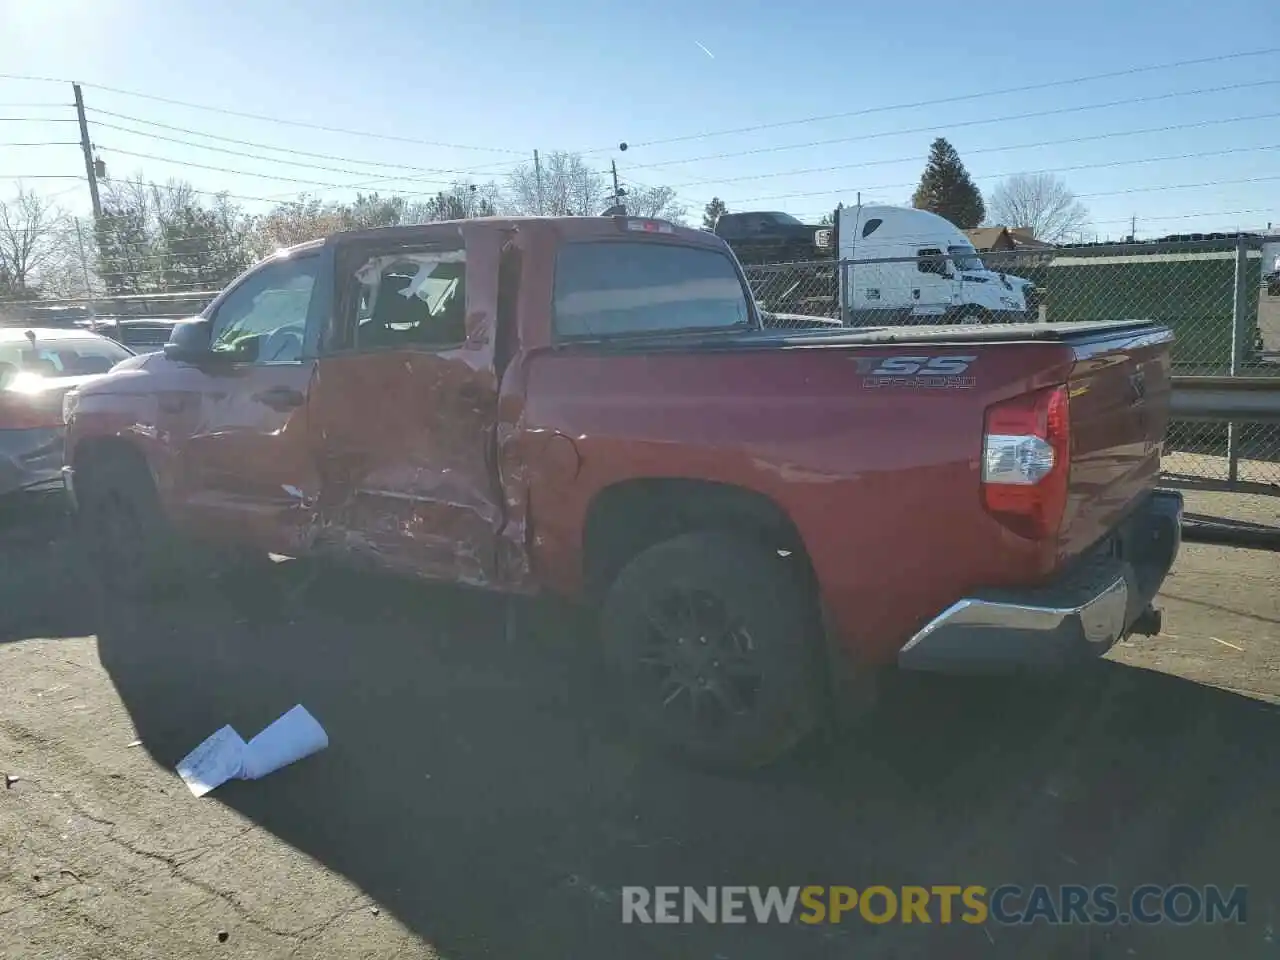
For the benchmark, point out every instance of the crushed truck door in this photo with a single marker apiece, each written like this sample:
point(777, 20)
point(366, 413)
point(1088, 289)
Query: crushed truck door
point(405, 407)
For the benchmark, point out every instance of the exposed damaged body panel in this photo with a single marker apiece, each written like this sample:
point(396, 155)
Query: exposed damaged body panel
point(404, 410)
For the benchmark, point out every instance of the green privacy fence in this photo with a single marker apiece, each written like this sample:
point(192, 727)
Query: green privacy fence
point(1192, 291)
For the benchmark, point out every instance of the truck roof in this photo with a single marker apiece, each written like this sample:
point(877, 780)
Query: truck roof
point(567, 227)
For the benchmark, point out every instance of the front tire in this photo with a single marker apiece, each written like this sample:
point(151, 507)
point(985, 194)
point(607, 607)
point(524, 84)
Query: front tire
point(716, 641)
point(127, 540)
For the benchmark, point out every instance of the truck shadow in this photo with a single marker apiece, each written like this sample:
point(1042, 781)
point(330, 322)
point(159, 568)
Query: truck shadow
point(479, 787)
point(42, 591)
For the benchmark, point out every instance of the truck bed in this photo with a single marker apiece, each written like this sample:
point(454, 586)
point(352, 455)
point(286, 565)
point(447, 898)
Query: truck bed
point(871, 440)
point(940, 334)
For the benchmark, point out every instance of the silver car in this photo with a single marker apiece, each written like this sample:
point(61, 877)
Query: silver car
point(37, 367)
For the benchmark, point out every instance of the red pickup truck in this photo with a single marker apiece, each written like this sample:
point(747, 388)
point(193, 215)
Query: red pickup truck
point(597, 408)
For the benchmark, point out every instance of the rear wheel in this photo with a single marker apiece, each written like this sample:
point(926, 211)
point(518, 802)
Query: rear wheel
point(127, 539)
point(716, 642)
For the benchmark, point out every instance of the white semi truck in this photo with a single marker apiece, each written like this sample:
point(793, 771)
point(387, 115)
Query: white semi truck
point(902, 265)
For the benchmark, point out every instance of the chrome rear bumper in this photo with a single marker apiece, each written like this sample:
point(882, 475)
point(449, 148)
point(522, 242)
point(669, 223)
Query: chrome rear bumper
point(1078, 617)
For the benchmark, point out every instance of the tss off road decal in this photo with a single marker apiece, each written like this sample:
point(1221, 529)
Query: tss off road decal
point(946, 372)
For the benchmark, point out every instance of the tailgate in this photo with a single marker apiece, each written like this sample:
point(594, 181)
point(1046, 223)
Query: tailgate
point(1119, 411)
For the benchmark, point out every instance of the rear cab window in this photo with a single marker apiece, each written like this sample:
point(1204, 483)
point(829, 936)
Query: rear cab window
point(617, 288)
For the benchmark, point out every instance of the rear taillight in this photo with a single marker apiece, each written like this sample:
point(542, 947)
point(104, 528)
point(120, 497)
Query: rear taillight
point(1026, 462)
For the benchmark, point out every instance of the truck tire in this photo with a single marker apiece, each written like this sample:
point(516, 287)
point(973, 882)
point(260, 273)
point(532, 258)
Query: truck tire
point(715, 641)
point(128, 543)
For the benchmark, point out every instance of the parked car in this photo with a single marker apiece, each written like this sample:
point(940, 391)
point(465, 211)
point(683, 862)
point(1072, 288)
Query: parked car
point(593, 407)
point(38, 366)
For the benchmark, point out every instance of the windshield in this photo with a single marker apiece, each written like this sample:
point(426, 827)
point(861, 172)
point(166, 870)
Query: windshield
point(787, 219)
point(966, 258)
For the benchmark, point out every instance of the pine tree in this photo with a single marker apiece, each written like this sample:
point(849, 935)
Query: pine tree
point(713, 212)
point(947, 190)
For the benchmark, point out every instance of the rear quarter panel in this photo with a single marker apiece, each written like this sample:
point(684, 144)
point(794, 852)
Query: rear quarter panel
point(880, 476)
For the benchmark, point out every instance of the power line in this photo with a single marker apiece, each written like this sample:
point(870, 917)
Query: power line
point(1013, 173)
point(1177, 186)
point(933, 128)
point(44, 143)
point(39, 176)
point(1018, 146)
point(250, 143)
point(34, 106)
point(299, 123)
point(959, 98)
point(37, 119)
point(19, 76)
point(62, 193)
point(272, 176)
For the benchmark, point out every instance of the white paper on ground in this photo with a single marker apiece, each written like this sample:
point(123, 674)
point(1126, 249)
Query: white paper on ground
point(295, 735)
point(217, 760)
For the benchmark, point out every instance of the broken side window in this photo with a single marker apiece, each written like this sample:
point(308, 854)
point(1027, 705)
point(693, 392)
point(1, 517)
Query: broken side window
point(412, 299)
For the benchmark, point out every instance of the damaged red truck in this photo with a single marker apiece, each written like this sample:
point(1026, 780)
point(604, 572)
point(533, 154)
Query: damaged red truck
point(596, 407)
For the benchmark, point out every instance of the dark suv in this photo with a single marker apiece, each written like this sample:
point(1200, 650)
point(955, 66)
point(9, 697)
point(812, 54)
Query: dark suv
point(768, 237)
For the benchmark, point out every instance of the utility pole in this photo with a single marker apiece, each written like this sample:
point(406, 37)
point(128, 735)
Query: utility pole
point(618, 192)
point(537, 173)
point(90, 169)
point(84, 260)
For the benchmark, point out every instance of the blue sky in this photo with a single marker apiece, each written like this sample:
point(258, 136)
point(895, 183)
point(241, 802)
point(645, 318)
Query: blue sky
point(583, 76)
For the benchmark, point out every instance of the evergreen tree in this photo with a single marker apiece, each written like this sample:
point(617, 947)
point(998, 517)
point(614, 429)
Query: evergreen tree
point(947, 190)
point(713, 212)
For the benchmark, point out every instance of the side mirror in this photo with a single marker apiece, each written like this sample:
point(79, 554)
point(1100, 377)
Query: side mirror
point(189, 342)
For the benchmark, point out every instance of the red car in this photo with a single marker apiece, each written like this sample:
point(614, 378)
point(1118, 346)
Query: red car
point(37, 367)
point(596, 407)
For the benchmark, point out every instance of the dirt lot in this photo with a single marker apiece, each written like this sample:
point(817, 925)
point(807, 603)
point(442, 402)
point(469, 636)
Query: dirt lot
point(479, 800)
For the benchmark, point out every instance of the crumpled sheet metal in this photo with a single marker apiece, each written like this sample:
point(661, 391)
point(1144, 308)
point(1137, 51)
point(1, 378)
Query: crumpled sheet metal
point(425, 524)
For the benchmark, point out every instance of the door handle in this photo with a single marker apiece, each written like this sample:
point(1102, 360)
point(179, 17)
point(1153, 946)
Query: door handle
point(280, 398)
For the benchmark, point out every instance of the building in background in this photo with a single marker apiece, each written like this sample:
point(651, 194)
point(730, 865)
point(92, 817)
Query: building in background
point(998, 239)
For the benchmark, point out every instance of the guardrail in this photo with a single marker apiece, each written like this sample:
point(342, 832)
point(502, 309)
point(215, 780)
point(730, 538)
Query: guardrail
point(1226, 399)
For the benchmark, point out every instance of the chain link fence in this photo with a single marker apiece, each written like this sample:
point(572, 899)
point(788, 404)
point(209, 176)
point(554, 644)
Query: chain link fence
point(1211, 293)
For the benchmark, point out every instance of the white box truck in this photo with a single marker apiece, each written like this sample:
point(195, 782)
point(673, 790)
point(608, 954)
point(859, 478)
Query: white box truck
point(902, 265)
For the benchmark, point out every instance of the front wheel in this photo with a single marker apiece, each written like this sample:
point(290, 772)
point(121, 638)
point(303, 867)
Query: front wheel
point(716, 641)
point(126, 537)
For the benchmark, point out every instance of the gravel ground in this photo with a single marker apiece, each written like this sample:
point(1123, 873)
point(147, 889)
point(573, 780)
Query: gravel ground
point(478, 798)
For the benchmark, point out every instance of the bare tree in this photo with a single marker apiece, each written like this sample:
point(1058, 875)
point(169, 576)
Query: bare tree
point(658, 202)
point(1041, 203)
point(462, 201)
point(31, 233)
point(566, 187)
